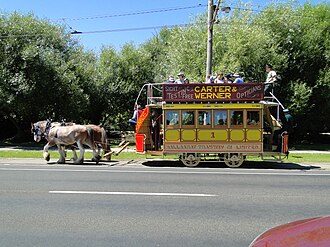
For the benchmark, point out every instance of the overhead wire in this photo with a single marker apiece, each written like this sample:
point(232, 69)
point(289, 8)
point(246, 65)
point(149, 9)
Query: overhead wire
point(142, 12)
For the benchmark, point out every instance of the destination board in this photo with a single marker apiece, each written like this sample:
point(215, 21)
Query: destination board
point(213, 92)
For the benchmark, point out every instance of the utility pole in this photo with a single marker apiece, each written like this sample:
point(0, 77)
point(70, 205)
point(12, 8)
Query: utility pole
point(209, 38)
point(211, 18)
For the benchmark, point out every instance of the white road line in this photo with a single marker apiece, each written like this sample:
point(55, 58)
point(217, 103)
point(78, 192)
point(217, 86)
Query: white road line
point(178, 171)
point(129, 193)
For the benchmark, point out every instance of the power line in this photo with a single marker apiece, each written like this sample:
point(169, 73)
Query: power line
point(130, 29)
point(99, 31)
point(130, 14)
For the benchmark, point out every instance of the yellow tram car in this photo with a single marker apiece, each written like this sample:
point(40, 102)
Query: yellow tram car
point(211, 122)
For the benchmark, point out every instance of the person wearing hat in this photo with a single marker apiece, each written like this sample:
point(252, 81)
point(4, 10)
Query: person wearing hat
point(270, 80)
point(288, 122)
point(180, 79)
point(238, 78)
point(170, 79)
point(287, 128)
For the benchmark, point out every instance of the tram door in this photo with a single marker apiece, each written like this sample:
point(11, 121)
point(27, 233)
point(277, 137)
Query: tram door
point(148, 134)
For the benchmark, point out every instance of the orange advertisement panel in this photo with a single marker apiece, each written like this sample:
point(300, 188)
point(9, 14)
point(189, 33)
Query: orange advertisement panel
point(141, 119)
point(193, 147)
point(213, 92)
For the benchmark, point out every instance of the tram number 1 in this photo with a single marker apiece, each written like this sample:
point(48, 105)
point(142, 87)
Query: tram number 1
point(212, 135)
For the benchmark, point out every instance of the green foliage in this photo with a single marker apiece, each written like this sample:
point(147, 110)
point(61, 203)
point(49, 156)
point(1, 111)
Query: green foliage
point(45, 73)
point(37, 76)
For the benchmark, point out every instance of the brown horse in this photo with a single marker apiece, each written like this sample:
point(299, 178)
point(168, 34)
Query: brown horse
point(69, 135)
point(99, 137)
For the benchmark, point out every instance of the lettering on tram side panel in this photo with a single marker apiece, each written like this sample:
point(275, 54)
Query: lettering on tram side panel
point(213, 147)
point(213, 92)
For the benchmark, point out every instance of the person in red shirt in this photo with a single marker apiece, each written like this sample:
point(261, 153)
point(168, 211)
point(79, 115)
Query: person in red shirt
point(136, 114)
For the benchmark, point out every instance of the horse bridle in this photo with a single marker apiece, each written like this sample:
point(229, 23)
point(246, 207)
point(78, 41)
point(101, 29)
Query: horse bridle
point(37, 130)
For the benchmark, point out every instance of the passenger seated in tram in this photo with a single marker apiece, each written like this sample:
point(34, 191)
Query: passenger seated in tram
point(136, 114)
point(170, 79)
point(219, 78)
point(210, 79)
point(180, 79)
point(238, 78)
point(227, 78)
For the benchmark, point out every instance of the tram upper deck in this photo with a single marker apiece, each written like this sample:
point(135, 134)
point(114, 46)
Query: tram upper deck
point(160, 94)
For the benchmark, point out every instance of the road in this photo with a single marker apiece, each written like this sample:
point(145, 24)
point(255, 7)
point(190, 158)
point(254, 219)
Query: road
point(151, 204)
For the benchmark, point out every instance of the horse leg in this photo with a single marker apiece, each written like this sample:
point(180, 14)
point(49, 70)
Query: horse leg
point(62, 154)
point(74, 153)
point(96, 156)
point(82, 151)
point(46, 155)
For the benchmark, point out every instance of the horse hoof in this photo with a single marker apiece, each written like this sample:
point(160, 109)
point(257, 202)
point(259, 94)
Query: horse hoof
point(47, 158)
point(97, 158)
point(60, 162)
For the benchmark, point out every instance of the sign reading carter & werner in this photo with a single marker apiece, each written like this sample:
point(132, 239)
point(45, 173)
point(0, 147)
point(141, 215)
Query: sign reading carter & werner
point(213, 92)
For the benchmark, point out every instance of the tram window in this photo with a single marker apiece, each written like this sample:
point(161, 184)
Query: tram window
point(204, 118)
point(236, 117)
point(253, 118)
point(220, 118)
point(172, 118)
point(188, 117)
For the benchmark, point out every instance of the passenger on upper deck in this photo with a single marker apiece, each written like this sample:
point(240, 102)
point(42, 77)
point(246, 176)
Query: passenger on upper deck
point(226, 78)
point(181, 78)
point(211, 79)
point(238, 78)
point(186, 81)
point(219, 78)
point(170, 79)
point(270, 80)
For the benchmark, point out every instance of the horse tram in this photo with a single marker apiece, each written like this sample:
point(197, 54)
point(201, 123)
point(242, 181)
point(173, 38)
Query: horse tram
point(210, 122)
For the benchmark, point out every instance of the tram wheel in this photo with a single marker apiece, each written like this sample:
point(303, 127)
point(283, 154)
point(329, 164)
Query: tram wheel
point(233, 160)
point(190, 159)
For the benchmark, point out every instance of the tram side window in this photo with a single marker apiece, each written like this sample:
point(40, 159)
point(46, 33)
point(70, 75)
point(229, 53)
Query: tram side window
point(253, 118)
point(236, 117)
point(172, 118)
point(204, 117)
point(188, 117)
point(220, 118)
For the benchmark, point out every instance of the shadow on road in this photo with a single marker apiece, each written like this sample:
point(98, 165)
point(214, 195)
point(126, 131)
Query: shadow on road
point(88, 163)
point(245, 165)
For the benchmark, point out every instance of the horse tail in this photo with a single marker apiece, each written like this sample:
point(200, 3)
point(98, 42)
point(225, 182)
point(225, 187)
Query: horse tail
point(90, 133)
point(104, 138)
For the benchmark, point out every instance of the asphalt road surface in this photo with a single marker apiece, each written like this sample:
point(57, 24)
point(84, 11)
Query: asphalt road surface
point(152, 204)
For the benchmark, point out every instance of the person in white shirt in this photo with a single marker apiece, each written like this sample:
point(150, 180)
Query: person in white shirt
point(270, 80)
point(219, 78)
point(181, 78)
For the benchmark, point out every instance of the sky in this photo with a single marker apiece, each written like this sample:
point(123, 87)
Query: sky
point(114, 22)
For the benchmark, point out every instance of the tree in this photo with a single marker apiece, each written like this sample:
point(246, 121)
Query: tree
point(37, 71)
